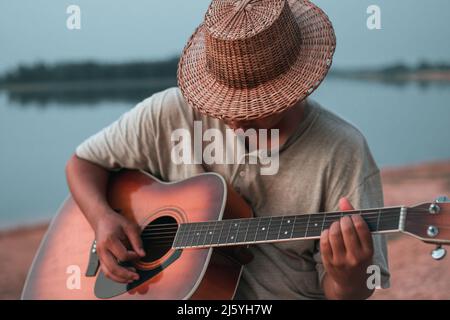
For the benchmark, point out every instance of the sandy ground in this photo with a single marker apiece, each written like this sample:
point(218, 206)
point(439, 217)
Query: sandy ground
point(415, 275)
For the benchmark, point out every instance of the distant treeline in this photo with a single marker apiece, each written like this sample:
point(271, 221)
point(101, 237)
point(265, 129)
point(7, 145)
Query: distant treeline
point(41, 72)
point(395, 69)
point(167, 69)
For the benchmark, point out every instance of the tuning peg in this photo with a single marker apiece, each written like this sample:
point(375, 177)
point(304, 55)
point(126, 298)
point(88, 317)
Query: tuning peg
point(442, 199)
point(438, 253)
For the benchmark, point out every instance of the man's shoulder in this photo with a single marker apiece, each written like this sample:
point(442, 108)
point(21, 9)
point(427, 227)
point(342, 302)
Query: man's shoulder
point(339, 132)
point(169, 107)
point(170, 99)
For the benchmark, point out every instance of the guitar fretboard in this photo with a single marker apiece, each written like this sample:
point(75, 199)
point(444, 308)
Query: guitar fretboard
point(276, 228)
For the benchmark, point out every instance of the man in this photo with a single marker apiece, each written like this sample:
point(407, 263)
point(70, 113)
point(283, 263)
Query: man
point(251, 64)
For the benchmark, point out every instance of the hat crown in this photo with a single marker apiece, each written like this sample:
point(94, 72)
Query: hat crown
point(249, 42)
point(238, 19)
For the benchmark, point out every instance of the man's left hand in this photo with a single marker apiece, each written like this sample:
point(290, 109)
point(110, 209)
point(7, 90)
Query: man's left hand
point(347, 250)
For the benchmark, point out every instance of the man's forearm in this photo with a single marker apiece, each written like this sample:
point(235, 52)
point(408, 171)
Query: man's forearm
point(87, 183)
point(354, 291)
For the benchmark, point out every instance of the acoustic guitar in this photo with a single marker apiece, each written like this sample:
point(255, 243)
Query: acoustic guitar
point(186, 228)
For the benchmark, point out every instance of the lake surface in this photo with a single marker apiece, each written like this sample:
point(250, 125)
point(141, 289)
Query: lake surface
point(403, 125)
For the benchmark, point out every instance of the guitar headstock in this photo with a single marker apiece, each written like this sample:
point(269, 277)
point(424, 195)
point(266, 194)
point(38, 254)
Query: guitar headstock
point(430, 222)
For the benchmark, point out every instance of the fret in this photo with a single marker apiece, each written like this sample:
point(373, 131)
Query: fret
point(210, 231)
point(197, 234)
point(370, 223)
point(185, 234)
point(279, 229)
point(389, 221)
point(286, 227)
point(243, 230)
point(204, 234)
point(307, 225)
point(313, 225)
point(293, 226)
point(216, 238)
point(253, 230)
point(327, 221)
point(273, 228)
point(232, 233)
point(301, 223)
point(263, 226)
point(323, 222)
point(190, 235)
point(225, 231)
point(378, 220)
point(178, 236)
point(268, 227)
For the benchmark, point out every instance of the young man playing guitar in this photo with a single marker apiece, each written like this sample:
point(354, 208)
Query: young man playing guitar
point(250, 64)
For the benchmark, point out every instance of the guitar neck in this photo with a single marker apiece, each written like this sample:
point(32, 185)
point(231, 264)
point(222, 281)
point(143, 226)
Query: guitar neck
point(279, 228)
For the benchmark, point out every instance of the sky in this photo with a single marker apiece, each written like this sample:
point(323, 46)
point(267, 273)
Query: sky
point(126, 30)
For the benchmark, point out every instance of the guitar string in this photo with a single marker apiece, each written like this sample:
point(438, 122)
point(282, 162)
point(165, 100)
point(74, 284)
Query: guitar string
point(213, 226)
point(305, 216)
point(217, 228)
point(166, 243)
point(175, 226)
point(301, 231)
point(296, 228)
point(205, 230)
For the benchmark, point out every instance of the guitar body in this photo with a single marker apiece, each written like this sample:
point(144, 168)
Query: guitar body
point(65, 265)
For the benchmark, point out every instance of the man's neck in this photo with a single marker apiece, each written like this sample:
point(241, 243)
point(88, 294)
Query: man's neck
point(289, 123)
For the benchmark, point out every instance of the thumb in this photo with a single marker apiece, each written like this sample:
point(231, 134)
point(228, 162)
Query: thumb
point(133, 235)
point(345, 205)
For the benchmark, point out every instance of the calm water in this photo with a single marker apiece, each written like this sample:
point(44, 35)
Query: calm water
point(404, 125)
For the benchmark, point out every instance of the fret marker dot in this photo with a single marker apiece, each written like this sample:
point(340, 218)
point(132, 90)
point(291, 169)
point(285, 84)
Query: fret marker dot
point(289, 221)
point(198, 233)
point(210, 232)
point(232, 237)
point(315, 224)
point(285, 232)
point(235, 224)
point(263, 229)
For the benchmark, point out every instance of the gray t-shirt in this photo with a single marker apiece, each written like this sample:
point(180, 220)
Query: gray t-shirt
point(325, 159)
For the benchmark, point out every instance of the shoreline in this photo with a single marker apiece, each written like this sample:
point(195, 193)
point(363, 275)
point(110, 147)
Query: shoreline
point(415, 275)
point(90, 85)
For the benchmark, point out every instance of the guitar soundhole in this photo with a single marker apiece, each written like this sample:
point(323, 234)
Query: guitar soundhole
point(158, 237)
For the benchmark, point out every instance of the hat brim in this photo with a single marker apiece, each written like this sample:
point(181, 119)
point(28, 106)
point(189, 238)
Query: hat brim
point(213, 98)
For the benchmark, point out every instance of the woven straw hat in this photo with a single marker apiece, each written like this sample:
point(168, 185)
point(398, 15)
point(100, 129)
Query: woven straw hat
point(250, 59)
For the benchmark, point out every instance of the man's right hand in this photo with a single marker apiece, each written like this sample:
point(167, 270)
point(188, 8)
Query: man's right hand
point(118, 239)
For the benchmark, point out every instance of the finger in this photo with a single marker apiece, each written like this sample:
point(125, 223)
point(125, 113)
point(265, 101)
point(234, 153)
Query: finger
point(351, 238)
point(102, 254)
point(363, 232)
point(118, 249)
point(336, 241)
point(122, 273)
point(133, 233)
point(110, 275)
point(325, 247)
point(345, 205)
